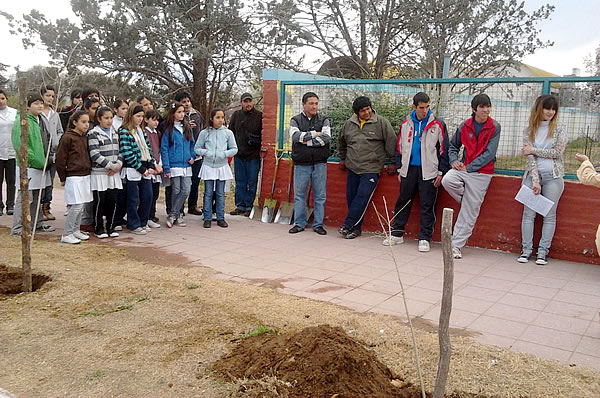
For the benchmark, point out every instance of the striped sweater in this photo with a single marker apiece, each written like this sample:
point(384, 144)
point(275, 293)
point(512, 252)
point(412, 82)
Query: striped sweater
point(104, 150)
point(132, 156)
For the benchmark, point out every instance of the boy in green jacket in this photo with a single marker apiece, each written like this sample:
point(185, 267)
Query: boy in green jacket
point(37, 147)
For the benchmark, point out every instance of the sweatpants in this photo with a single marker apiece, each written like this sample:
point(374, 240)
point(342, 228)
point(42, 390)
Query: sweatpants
point(409, 186)
point(359, 191)
point(469, 190)
point(104, 206)
point(7, 169)
point(17, 216)
point(155, 195)
point(73, 221)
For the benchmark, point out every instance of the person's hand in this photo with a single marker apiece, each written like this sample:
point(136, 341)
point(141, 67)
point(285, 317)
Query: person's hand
point(192, 123)
point(438, 181)
point(581, 157)
point(460, 166)
point(111, 173)
point(399, 179)
point(342, 165)
point(118, 168)
point(527, 150)
point(391, 169)
point(191, 161)
point(158, 168)
point(537, 188)
point(147, 173)
point(62, 183)
point(168, 175)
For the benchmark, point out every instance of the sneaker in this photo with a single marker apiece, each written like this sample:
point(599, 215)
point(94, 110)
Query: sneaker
point(524, 258)
point(343, 231)
point(393, 240)
point(236, 212)
point(424, 246)
point(114, 234)
point(46, 228)
point(247, 213)
point(101, 235)
point(295, 229)
point(153, 224)
point(456, 253)
point(170, 222)
point(147, 228)
point(81, 235)
point(320, 230)
point(70, 239)
point(118, 228)
point(155, 219)
point(195, 211)
point(139, 231)
point(181, 222)
point(10, 212)
point(541, 259)
point(353, 234)
point(222, 223)
point(206, 224)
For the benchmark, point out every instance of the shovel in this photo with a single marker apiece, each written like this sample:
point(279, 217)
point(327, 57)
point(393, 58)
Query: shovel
point(309, 210)
point(270, 203)
point(256, 212)
point(286, 209)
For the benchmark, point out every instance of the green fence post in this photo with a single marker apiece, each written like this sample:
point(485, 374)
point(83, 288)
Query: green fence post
point(546, 87)
point(281, 113)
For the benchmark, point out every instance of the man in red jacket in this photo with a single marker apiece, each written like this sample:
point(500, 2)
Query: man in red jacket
point(468, 180)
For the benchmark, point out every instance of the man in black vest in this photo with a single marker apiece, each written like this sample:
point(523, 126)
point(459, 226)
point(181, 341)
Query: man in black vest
point(246, 124)
point(311, 133)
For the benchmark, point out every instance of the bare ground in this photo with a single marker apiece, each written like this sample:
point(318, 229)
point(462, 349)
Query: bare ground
point(112, 323)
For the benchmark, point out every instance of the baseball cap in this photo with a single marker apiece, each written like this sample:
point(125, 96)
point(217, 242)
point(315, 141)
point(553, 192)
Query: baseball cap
point(246, 96)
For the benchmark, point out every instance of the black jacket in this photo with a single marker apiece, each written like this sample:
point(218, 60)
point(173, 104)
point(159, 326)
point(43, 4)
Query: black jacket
point(247, 129)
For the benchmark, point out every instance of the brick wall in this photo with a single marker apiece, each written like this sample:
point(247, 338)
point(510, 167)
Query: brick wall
point(498, 225)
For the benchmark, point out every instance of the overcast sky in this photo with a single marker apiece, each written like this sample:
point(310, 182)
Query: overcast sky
point(573, 28)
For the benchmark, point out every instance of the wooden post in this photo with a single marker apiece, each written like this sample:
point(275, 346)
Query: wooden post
point(24, 187)
point(443, 329)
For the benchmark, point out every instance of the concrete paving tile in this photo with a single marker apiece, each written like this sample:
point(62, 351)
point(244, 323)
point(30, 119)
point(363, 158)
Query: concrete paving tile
point(492, 283)
point(262, 274)
point(551, 338)
point(329, 289)
point(586, 288)
point(589, 346)
point(542, 351)
point(500, 327)
point(469, 268)
point(314, 296)
point(522, 301)
point(562, 323)
point(345, 279)
point(480, 293)
point(504, 275)
point(396, 304)
point(379, 310)
point(366, 270)
point(512, 313)
point(284, 267)
point(593, 330)
point(578, 298)
point(571, 310)
point(352, 258)
point(420, 270)
point(407, 279)
point(544, 281)
point(377, 285)
point(381, 263)
point(233, 269)
point(351, 304)
point(421, 294)
point(366, 297)
point(553, 272)
point(315, 273)
point(588, 276)
point(221, 276)
point(458, 318)
point(334, 265)
point(470, 304)
point(297, 283)
point(308, 261)
point(585, 360)
point(493, 339)
point(535, 291)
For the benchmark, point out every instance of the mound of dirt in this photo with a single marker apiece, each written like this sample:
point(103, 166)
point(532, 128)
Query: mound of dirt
point(11, 281)
point(319, 361)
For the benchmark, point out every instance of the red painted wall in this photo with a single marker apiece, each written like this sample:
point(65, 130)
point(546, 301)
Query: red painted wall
point(498, 225)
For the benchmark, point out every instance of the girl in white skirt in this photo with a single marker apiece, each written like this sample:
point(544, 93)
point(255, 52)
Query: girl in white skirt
point(215, 143)
point(73, 166)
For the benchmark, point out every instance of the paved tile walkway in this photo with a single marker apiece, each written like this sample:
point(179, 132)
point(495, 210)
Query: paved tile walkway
point(551, 311)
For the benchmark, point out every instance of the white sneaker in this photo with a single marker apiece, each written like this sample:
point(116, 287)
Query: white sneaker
point(181, 223)
point(70, 239)
point(424, 246)
point(114, 235)
point(139, 231)
point(118, 228)
point(80, 235)
point(153, 224)
point(170, 222)
point(103, 235)
point(393, 240)
point(456, 252)
point(147, 229)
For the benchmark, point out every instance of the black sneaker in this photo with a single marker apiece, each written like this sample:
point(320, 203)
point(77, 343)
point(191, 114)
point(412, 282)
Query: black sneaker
point(295, 229)
point(343, 231)
point(206, 224)
point(541, 259)
point(155, 219)
point(222, 223)
point(320, 230)
point(355, 233)
point(236, 212)
point(9, 212)
point(524, 258)
point(194, 211)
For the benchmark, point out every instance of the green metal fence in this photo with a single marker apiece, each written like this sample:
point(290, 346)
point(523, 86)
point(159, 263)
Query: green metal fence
point(512, 99)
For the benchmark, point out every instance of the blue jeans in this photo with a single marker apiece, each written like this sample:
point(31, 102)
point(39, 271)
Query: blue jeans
point(47, 197)
point(209, 191)
point(180, 189)
point(317, 175)
point(193, 198)
point(359, 191)
point(138, 191)
point(552, 188)
point(246, 178)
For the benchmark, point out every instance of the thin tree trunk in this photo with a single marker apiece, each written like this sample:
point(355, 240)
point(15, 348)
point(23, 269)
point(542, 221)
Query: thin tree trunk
point(24, 187)
point(443, 329)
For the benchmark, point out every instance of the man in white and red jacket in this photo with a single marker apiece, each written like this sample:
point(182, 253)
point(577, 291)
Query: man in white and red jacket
point(421, 161)
point(468, 180)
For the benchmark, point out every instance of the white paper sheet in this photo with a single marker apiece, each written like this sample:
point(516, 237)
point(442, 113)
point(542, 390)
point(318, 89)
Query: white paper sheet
point(538, 203)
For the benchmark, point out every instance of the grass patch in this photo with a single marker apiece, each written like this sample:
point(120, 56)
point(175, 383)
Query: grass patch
point(260, 329)
point(96, 375)
point(192, 287)
point(124, 307)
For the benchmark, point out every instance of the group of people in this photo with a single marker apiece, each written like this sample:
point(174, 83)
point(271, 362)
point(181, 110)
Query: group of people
point(424, 158)
point(112, 162)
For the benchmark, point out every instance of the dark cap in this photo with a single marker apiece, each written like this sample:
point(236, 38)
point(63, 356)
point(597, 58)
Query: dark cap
point(246, 96)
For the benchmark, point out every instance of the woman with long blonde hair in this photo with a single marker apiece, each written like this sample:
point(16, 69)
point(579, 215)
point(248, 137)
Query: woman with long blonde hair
point(544, 147)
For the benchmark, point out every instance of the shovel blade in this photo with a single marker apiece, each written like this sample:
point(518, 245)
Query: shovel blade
point(267, 214)
point(284, 215)
point(256, 213)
